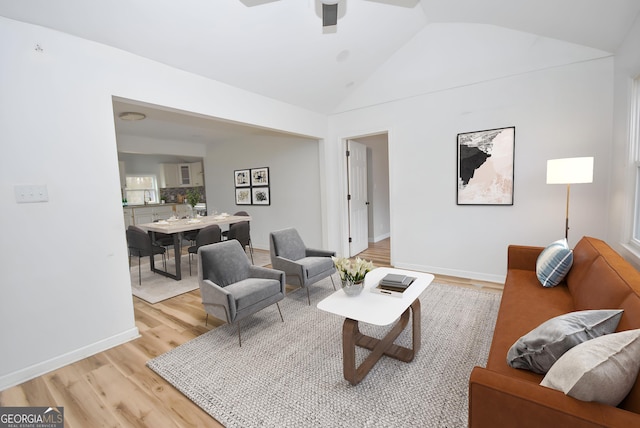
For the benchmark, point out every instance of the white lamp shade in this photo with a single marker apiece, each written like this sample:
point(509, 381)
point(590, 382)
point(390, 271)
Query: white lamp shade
point(570, 170)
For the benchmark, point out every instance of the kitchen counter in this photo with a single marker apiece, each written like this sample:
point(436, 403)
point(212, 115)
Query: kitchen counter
point(169, 204)
point(139, 214)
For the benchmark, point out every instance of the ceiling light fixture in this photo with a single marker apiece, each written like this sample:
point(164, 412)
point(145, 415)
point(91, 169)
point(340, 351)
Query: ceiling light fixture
point(131, 115)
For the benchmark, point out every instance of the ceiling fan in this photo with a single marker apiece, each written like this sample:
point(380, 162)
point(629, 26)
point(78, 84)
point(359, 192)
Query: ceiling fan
point(332, 9)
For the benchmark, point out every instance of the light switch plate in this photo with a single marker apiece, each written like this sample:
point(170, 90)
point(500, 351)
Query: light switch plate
point(31, 193)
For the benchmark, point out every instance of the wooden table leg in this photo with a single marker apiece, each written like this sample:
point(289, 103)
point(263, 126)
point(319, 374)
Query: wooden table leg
point(352, 337)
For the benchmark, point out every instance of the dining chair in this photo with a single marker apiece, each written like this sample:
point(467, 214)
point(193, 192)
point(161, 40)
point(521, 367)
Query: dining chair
point(226, 232)
point(205, 236)
point(162, 239)
point(232, 288)
point(190, 235)
point(240, 232)
point(140, 245)
point(303, 266)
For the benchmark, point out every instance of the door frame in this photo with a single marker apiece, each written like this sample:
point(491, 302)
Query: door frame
point(350, 199)
point(344, 203)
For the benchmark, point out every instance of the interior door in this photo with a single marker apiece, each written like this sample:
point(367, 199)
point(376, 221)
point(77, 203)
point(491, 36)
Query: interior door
point(357, 197)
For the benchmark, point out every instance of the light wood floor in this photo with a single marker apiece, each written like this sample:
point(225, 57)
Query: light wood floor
point(114, 388)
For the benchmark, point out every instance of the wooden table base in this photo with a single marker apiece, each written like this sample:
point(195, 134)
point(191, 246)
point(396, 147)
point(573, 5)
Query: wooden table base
point(352, 337)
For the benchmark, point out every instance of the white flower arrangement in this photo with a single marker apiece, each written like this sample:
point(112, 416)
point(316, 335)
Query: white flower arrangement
point(353, 271)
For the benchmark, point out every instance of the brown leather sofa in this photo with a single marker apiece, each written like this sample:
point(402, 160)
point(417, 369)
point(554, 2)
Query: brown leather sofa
point(501, 396)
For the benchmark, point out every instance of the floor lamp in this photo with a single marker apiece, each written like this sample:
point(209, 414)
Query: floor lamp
point(569, 171)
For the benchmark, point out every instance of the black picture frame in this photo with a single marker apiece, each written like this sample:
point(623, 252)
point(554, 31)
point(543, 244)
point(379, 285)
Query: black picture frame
point(485, 167)
point(260, 176)
point(252, 186)
point(260, 196)
point(243, 196)
point(242, 177)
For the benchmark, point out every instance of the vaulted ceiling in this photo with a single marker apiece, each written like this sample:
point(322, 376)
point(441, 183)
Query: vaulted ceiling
point(278, 48)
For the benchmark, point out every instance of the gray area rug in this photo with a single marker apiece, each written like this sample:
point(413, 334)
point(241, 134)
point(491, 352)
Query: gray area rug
point(290, 374)
point(156, 288)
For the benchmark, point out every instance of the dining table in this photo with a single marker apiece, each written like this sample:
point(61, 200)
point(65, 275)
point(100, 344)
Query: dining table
point(176, 227)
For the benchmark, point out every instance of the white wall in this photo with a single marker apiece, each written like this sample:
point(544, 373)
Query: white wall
point(558, 111)
point(65, 290)
point(154, 146)
point(627, 68)
point(294, 179)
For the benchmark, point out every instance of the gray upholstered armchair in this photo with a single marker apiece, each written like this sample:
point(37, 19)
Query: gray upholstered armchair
point(303, 266)
point(231, 287)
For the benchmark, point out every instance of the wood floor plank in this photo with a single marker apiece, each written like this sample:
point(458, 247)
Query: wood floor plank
point(69, 385)
point(135, 408)
point(37, 393)
point(184, 413)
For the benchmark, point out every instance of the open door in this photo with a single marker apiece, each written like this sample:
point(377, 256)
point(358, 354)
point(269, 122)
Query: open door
point(357, 197)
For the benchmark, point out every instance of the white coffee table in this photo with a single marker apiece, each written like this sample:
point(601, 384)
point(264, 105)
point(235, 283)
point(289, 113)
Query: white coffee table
point(377, 309)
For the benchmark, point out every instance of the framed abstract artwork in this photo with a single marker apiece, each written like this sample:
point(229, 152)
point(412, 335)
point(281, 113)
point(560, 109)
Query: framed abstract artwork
point(260, 196)
point(242, 177)
point(485, 167)
point(260, 177)
point(243, 196)
point(252, 186)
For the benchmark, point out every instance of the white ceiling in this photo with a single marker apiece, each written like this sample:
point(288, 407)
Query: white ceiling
point(279, 49)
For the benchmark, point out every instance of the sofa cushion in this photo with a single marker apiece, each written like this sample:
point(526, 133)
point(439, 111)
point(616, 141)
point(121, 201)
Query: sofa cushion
point(539, 349)
point(554, 263)
point(603, 369)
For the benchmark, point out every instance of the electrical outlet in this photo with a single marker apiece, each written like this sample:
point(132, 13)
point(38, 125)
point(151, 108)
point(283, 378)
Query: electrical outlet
point(31, 193)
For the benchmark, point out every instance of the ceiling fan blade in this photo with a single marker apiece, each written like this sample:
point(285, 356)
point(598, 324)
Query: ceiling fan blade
point(329, 14)
point(251, 3)
point(402, 3)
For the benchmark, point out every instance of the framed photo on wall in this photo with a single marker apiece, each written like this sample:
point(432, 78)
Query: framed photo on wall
point(260, 196)
point(252, 186)
point(260, 176)
point(485, 167)
point(242, 178)
point(243, 196)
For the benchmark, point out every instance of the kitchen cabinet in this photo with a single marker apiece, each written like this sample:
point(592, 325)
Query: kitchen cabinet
point(150, 214)
point(197, 174)
point(128, 217)
point(183, 174)
point(170, 175)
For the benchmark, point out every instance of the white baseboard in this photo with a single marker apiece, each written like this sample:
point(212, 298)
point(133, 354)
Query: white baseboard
point(31, 372)
point(498, 279)
point(380, 237)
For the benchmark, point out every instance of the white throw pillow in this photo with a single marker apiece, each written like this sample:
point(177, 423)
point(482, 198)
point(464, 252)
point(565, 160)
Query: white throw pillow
point(554, 262)
point(603, 369)
point(539, 349)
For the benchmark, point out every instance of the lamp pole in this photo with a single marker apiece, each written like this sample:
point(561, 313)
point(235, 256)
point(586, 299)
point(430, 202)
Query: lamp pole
point(567, 171)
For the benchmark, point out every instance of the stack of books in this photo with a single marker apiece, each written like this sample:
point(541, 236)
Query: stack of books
point(396, 282)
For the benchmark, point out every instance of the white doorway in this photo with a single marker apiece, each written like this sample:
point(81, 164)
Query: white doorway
point(376, 204)
point(357, 199)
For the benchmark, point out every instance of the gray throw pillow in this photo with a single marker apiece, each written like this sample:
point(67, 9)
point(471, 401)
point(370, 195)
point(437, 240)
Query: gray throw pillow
point(544, 345)
point(603, 369)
